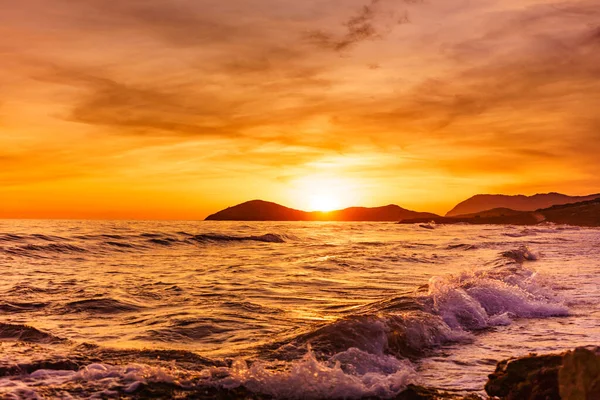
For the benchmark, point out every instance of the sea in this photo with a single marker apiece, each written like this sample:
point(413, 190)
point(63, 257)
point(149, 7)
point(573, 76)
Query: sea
point(284, 310)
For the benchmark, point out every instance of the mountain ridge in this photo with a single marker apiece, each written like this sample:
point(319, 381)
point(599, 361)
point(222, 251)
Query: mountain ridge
point(485, 202)
point(261, 210)
point(585, 213)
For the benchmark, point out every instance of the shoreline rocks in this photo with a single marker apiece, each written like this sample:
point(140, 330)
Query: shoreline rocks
point(572, 375)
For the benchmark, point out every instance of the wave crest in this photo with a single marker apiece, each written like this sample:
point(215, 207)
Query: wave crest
point(25, 333)
point(103, 306)
point(213, 237)
point(364, 375)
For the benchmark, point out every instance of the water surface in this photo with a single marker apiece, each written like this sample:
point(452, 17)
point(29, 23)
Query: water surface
point(292, 310)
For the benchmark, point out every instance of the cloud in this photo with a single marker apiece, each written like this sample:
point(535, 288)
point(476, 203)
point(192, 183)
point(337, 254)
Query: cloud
point(368, 24)
point(506, 90)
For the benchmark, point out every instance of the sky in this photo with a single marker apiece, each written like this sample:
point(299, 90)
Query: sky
point(174, 109)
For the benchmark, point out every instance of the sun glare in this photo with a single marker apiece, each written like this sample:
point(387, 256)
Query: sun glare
point(324, 193)
point(324, 202)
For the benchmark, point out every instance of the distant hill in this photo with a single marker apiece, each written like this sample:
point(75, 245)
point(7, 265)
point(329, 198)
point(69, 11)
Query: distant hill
point(494, 212)
point(586, 213)
point(259, 210)
point(483, 202)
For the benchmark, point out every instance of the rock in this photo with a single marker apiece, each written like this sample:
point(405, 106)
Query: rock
point(573, 375)
point(528, 378)
point(579, 375)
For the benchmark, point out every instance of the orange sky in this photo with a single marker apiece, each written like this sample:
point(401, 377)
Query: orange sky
point(178, 108)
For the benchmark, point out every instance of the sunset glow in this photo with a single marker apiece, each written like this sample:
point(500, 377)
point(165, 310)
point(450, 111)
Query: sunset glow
point(324, 192)
point(161, 109)
point(323, 202)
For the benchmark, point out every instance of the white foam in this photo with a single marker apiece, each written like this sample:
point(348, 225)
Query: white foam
point(475, 300)
point(103, 378)
point(309, 378)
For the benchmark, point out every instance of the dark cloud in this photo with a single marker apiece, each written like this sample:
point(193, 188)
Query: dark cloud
point(363, 26)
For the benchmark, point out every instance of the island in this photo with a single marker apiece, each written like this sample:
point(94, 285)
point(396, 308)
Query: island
point(259, 210)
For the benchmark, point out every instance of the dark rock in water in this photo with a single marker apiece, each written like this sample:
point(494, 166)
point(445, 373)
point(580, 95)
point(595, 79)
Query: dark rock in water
point(579, 375)
point(527, 378)
point(574, 375)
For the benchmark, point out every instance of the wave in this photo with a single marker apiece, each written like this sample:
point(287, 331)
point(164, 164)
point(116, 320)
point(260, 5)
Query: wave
point(520, 255)
point(523, 233)
point(403, 335)
point(462, 246)
point(64, 248)
point(349, 375)
point(430, 225)
point(25, 333)
point(452, 309)
point(120, 244)
point(214, 237)
point(8, 237)
point(307, 378)
point(16, 307)
point(44, 246)
point(102, 306)
point(190, 330)
point(473, 301)
point(163, 241)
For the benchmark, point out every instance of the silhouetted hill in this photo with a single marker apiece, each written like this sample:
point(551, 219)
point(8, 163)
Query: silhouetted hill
point(586, 213)
point(390, 212)
point(494, 212)
point(259, 210)
point(483, 202)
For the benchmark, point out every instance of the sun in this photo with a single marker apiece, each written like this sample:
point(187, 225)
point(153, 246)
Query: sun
point(323, 202)
point(319, 192)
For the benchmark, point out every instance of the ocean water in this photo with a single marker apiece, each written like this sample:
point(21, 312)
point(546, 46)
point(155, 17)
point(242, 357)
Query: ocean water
point(93, 309)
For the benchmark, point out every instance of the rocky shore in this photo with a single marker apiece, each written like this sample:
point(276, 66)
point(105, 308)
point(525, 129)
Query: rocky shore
point(573, 375)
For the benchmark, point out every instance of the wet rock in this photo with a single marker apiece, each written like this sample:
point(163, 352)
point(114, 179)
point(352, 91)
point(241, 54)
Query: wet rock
point(573, 375)
point(528, 378)
point(579, 375)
